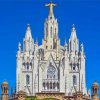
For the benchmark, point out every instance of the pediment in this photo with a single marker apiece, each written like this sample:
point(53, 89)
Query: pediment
point(51, 61)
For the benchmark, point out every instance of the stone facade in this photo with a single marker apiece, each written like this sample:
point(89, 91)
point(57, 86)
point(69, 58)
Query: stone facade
point(52, 96)
point(50, 70)
point(78, 95)
point(50, 67)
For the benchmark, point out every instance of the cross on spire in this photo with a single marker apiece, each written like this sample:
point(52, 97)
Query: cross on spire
point(51, 7)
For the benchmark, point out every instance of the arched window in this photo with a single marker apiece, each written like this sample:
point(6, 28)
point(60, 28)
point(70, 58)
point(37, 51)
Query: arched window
point(46, 47)
point(57, 85)
point(50, 85)
point(54, 76)
point(4, 89)
point(47, 85)
point(27, 79)
point(44, 85)
point(63, 61)
point(55, 31)
point(24, 65)
point(47, 76)
point(74, 80)
point(27, 66)
point(51, 71)
point(54, 85)
point(74, 68)
point(95, 90)
point(31, 65)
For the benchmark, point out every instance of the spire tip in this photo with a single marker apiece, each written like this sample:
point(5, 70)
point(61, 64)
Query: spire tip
point(51, 7)
point(73, 27)
point(28, 26)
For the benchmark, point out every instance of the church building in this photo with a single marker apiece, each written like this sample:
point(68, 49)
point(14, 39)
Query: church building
point(50, 67)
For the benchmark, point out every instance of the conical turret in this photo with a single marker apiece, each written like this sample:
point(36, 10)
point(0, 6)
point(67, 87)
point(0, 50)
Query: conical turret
point(28, 33)
point(73, 33)
point(28, 40)
point(73, 41)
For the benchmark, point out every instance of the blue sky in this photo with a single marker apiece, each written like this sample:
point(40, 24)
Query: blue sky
point(16, 14)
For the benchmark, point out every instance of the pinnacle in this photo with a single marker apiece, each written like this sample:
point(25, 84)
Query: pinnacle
point(73, 27)
point(28, 32)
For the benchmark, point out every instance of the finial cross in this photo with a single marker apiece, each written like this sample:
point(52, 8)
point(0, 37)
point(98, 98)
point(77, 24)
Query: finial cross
point(51, 7)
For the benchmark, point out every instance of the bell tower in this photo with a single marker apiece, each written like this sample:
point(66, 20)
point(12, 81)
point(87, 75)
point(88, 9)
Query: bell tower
point(4, 87)
point(51, 29)
point(95, 91)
